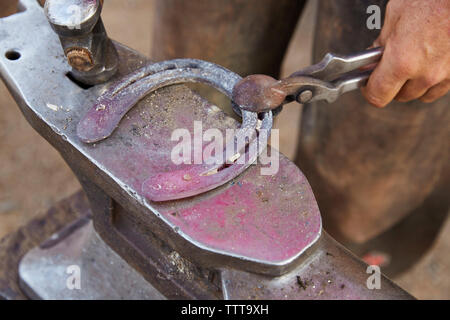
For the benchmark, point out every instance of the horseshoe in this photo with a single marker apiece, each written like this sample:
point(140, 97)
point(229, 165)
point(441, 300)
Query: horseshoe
point(102, 119)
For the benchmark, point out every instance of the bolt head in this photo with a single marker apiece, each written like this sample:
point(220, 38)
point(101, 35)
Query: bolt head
point(80, 59)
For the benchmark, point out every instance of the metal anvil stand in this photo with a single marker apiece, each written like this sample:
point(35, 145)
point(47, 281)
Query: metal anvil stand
point(257, 237)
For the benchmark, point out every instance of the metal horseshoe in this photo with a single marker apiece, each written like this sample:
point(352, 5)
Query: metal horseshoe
point(102, 119)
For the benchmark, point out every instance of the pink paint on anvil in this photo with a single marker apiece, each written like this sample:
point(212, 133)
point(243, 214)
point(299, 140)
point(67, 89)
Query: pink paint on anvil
point(270, 218)
point(261, 220)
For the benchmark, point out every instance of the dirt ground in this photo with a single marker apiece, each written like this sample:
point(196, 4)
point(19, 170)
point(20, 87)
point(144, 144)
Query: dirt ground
point(33, 176)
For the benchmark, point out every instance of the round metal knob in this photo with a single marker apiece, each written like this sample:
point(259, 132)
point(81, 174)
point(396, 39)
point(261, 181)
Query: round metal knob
point(73, 17)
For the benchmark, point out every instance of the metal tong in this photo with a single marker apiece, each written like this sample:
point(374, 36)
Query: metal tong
point(327, 80)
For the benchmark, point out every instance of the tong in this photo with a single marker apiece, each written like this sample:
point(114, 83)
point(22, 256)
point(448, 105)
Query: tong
point(327, 80)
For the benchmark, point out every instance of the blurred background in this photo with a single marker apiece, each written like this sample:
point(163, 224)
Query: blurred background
point(33, 176)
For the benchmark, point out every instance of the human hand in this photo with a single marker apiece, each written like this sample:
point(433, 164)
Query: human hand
point(416, 58)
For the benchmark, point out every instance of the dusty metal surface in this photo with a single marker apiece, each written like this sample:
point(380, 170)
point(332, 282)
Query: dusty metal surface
point(46, 271)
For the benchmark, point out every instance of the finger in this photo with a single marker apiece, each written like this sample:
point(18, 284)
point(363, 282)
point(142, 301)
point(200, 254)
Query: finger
point(386, 80)
point(413, 89)
point(436, 92)
point(390, 21)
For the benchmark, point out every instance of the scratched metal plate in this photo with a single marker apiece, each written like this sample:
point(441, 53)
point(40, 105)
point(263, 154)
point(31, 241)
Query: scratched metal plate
point(270, 220)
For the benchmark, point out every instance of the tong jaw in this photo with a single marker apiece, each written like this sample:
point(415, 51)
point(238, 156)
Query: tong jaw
point(327, 80)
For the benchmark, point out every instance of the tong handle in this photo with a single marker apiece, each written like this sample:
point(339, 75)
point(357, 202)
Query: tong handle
point(334, 65)
point(337, 74)
point(352, 82)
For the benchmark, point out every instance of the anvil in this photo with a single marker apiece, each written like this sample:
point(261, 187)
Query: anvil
point(254, 237)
